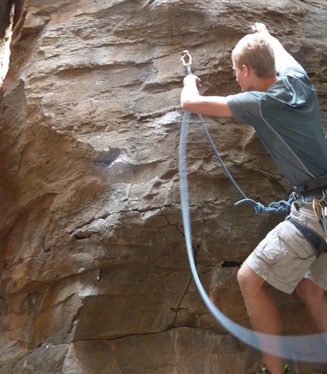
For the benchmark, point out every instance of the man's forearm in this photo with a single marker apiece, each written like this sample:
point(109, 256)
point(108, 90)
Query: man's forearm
point(282, 57)
point(190, 93)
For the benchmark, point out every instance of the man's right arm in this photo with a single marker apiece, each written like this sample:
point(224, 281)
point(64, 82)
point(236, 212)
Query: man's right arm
point(282, 57)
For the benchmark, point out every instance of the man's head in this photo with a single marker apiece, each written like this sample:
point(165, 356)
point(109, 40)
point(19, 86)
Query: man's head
point(253, 53)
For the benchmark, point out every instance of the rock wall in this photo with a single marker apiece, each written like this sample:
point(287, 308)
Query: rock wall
point(94, 271)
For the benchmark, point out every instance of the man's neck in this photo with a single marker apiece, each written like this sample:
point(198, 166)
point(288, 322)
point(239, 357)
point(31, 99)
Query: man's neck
point(262, 84)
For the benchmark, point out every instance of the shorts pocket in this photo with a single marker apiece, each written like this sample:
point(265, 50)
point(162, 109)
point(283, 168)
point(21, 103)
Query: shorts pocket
point(296, 241)
point(272, 247)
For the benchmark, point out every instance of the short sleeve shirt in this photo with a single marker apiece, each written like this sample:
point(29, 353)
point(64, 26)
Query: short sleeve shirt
point(287, 119)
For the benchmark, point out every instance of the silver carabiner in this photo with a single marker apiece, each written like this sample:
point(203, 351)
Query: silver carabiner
point(186, 54)
point(188, 63)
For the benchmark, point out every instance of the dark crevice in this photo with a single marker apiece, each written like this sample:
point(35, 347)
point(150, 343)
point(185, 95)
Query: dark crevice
point(5, 13)
point(106, 158)
point(231, 264)
point(82, 236)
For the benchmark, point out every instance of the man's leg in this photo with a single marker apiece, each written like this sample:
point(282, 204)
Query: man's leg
point(315, 299)
point(262, 311)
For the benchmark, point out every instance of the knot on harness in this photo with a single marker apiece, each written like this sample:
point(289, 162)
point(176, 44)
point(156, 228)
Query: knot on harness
point(279, 207)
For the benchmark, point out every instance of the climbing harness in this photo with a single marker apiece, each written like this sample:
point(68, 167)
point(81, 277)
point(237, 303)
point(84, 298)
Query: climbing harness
point(311, 348)
point(319, 244)
point(314, 191)
point(312, 187)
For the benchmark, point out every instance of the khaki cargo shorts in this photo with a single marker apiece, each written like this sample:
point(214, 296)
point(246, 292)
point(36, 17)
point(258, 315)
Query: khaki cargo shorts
point(285, 256)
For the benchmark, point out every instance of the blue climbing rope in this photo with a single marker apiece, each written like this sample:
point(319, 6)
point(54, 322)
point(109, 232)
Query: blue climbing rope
point(311, 348)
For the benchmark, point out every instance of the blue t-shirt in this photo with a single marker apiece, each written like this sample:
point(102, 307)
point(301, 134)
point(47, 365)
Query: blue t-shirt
point(287, 119)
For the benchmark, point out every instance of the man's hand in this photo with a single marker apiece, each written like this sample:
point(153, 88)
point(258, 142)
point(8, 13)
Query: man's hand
point(259, 27)
point(192, 79)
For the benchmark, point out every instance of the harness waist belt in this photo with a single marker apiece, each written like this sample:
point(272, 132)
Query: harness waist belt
point(312, 186)
point(313, 238)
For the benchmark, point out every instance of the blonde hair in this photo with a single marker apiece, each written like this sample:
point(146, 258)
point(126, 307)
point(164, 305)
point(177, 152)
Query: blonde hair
point(254, 51)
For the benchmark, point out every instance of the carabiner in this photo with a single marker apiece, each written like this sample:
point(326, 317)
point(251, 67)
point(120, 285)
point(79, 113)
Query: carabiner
point(323, 199)
point(186, 54)
point(188, 63)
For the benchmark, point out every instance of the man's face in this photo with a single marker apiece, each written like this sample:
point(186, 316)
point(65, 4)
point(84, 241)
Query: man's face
point(243, 78)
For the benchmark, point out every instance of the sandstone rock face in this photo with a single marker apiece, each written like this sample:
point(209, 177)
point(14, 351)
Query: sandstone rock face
point(94, 272)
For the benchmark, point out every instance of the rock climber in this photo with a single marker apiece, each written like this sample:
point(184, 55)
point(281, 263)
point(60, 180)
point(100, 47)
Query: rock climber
point(280, 102)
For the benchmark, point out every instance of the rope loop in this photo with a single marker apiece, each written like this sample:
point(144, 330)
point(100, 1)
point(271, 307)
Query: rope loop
point(277, 207)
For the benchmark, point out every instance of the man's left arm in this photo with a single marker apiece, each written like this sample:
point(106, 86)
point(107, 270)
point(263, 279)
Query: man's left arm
point(282, 57)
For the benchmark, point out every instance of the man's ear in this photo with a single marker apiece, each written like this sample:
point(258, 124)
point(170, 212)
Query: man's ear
point(245, 70)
